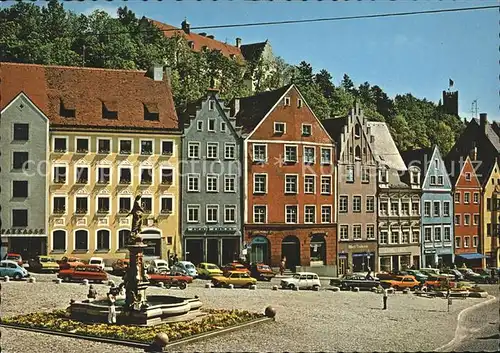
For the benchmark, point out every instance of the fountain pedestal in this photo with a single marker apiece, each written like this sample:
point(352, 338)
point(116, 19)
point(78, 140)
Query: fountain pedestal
point(135, 278)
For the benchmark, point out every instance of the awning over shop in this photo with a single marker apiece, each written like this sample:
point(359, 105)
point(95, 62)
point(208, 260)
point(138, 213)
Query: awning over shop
point(472, 256)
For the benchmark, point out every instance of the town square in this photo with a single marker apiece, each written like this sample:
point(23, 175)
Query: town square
point(166, 189)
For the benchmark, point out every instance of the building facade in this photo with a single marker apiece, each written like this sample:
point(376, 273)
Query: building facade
point(289, 174)
point(357, 190)
point(490, 207)
point(437, 231)
point(467, 214)
point(105, 147)
point(24, 135)
point(398, 204)
point(211, 184)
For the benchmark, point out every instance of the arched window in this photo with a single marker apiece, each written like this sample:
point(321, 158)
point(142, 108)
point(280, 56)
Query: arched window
point(81, 240)
point(59, 240)
point(357, 153)
point(357, 130)
point(123, 235)
point(102, 239)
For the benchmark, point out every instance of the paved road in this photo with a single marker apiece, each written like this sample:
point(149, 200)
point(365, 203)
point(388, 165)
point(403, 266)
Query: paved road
point(478, 329)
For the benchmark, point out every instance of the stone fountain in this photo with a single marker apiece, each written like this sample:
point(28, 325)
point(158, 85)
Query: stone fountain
point(137, 308)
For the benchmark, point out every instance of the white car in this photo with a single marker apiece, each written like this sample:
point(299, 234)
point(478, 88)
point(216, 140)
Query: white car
point(157, 266)
point(301, 280)
point(97, 261)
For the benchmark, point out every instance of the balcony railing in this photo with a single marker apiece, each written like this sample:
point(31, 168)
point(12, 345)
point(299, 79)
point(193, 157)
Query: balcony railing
point(60, 180)
point(59, 210)
point(124, 181)
point(103, 211)
point(81, 211)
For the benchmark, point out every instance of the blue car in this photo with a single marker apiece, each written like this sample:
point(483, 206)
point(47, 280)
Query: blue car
point(12, 269)
point(186, 267)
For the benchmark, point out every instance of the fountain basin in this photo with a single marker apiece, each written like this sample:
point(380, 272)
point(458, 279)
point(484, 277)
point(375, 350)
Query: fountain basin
point(161, 309)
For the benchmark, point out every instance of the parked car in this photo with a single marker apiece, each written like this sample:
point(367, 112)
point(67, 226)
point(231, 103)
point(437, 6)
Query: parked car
point(401, 282)
point(169, 280)
point(234, 266)
point(12, 269)
point(419, 276)
point(351, 281)
point(120, 266)
point(90, 272)
point(43, 264)
point(458, 276)
point(14, 257)
point(301, 280)
point(236, 278)
point(384, 276)
point(470, 275)
point(262, 272)
point(69, 262)
point(157, 266)
point(486, 274)
point(187, 267)
point(97, 261)
point(207, 270)
point(438, 281)
point(430, 271)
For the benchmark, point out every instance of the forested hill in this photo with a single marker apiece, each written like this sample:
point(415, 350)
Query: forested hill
point(54, 36)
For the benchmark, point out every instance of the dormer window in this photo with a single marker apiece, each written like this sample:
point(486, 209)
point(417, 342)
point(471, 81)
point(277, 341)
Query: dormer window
point(66, 109)
point(383, 176)
point(415, 177)
point(286, 102)
point(306, 130)
point(151, 112)
point(357, 131)
point(109, 110)
point(279, 128)
point(299, 103)
point(191, 44)
point(211, 105)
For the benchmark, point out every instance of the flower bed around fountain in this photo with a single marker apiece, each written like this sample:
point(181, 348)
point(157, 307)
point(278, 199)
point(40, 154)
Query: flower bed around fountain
point(60, 321)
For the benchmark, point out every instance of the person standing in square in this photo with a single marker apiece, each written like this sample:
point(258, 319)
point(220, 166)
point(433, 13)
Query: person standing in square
point(385, 295)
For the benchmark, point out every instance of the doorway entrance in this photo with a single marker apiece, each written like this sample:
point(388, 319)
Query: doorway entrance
point(318, 249)
point(28, 247)
point(213, 251)
point(260, 250)
point(290, 248)
point(194, 251)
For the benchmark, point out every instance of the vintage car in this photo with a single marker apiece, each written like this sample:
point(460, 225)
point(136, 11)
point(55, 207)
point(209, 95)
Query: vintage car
point(355, 280)
point(187, 267)
point(69, 262)
point(157, 266)
point(12, 269)
point(458, 276)
point(438, 282)
point(234, 266)
point(476, 276)
point(43, 264)
point(169, 280)
point(207, 270)
point(401, 282)
point(92, 273)
point(261, 272)
point(14, 257)
point(236, 278)
point(430, 271)
point(97, 261)
point(120, 266)
point(301, 280)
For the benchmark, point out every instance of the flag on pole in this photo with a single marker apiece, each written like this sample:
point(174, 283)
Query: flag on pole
point(451, 82)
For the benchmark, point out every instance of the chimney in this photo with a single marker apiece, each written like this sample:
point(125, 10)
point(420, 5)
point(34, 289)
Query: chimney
point(238, 42)
point(483, 121)
point(156, 72)
point(203, 34)
point(236, 106)
point(186, 27)
point(210, 36)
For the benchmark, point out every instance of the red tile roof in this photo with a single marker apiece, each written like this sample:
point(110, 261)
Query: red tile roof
point(198, 40)
point(85, 90)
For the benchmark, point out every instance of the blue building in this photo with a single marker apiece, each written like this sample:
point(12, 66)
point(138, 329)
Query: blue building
point(436, 207)
point(211, 183)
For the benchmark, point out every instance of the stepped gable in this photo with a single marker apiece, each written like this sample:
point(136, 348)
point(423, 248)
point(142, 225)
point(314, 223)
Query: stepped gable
point(254, 108)
point(91, 93)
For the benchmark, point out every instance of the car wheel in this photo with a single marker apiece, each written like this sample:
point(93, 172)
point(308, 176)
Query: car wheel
point(291, 286)
point(168, 285)
point(315, 286)
point(397, 288)
point(67, 279)
point(182, 285)
point(17, 277)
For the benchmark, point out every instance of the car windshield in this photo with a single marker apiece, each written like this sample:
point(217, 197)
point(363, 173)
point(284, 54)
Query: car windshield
point(12, 257)
point(212, 267)
point(46, 259)
point(296, 276)
point(189, 266)
point(95, 261)
point(161, 264)
point(264, 267)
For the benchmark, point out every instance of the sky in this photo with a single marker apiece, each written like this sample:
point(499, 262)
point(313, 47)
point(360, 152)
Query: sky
point(416, 54)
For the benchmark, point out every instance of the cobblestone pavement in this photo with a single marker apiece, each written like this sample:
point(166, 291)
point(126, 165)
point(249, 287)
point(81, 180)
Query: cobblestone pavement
point(306, 320)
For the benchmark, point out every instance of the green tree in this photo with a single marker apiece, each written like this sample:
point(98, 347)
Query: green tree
point(324, 81)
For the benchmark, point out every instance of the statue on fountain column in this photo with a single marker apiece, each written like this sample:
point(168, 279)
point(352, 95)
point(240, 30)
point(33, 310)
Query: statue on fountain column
point(137, 213)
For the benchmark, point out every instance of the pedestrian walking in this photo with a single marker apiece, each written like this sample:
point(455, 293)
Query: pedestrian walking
point(175, 259)
point(282, 265)
point(385, 298)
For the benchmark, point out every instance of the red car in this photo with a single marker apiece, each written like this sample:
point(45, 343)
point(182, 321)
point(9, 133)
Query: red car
point(14, 257)
point(234, 266)
point(81, 272)
point(170, 280)
point(69, 262)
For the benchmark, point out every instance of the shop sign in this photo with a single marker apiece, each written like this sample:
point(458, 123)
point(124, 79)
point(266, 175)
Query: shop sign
point(430, 251)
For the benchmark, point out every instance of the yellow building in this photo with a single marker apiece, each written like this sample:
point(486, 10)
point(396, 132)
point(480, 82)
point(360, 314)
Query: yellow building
point(113, 134)
point(490, 204)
